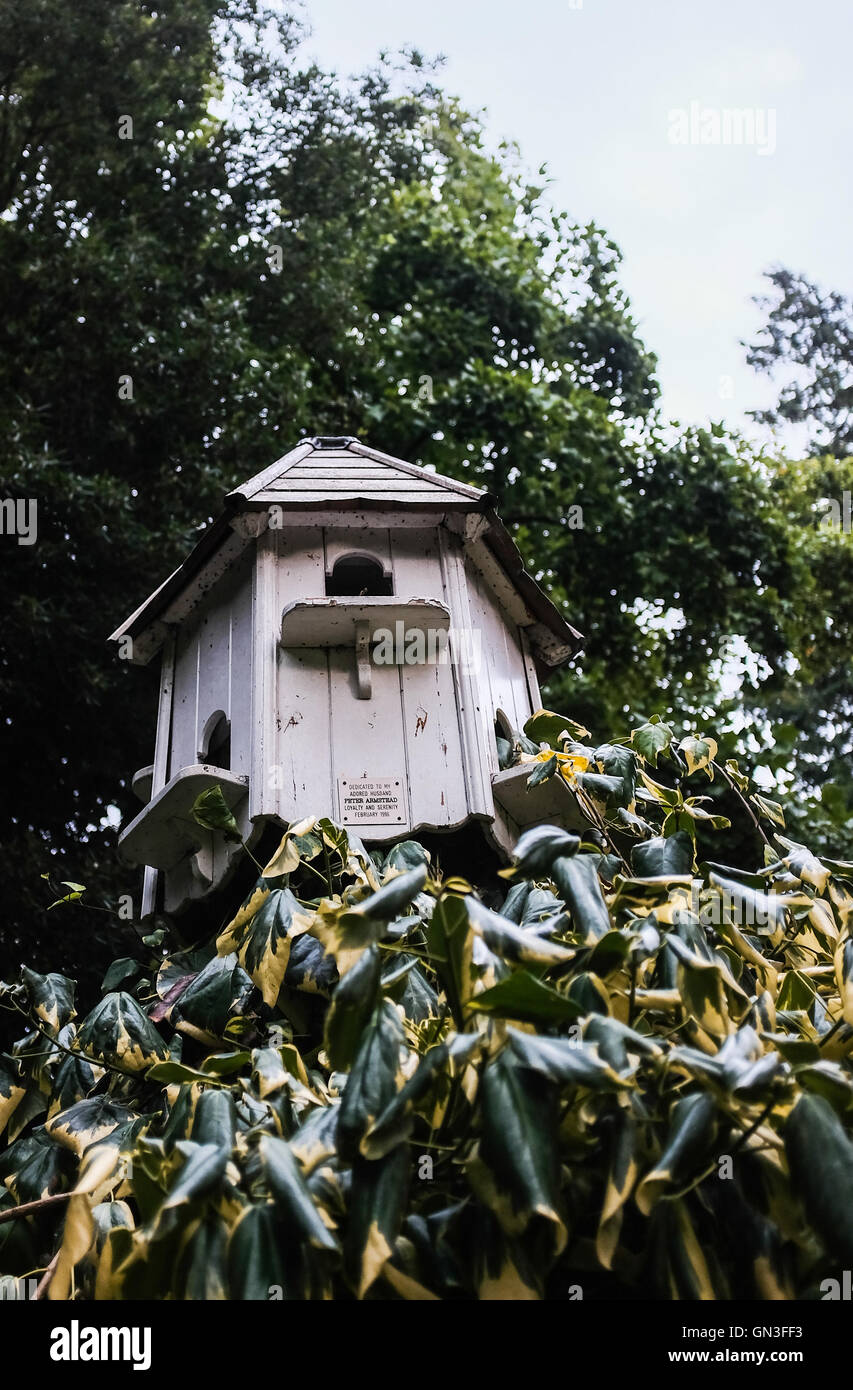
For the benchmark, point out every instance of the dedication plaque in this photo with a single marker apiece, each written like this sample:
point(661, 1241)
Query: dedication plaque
point(372, 800)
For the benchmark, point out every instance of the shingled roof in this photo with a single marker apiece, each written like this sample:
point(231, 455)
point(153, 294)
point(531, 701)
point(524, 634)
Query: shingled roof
point(331, 471)
point(340, 473)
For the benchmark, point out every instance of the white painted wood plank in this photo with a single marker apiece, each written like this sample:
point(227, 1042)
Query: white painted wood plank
point(471, 713)
point(367, 739)
point(299, 776)
point(160, 772)
point(416, 563)
point(265, 611)
point(433, 744)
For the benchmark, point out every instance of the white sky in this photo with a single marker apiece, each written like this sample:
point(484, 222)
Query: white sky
point(588, 90)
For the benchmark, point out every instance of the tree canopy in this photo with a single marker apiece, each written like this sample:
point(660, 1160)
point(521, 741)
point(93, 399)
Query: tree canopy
point(211, 248)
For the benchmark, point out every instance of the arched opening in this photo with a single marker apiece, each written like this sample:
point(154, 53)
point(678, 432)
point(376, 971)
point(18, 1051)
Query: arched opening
point(504, 739)
point(358, 576)
point(216, 742)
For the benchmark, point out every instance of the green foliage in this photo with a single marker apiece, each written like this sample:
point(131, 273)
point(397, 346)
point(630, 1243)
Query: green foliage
point(428, 298)
point(630, 1077)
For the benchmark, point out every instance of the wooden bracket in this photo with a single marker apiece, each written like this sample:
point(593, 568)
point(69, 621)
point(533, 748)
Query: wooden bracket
point(362, 658)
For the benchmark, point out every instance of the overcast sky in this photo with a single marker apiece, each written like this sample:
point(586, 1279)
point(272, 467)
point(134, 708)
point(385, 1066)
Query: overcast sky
point(590, 88)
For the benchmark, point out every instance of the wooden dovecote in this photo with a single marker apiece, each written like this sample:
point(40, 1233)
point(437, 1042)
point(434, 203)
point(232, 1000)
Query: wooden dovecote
point(343, 640)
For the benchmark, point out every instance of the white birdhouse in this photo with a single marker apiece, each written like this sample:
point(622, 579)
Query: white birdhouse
point(344, 640)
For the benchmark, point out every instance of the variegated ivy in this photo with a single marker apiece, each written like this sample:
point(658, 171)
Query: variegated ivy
point(629, 1075)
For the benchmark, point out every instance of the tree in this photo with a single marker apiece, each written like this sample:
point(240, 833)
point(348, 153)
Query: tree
point(808, 338)
point(276, 252)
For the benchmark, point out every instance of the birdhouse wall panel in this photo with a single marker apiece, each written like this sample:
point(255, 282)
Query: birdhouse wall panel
point(213, 672)
point(502, 659)
point(368, 741)
point(471, 693)
point(298, 781)
point(299, 564)
point(417, 564)
point(433, 745)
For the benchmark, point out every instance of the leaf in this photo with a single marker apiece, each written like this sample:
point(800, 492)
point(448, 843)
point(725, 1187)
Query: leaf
point(388, 902)
point(376, 1206)
point(603, 789)
point(309, 968)
point(761, 912)
point(545, 766)
point(395, 1122)
point(820, 1156)
point(291, 1193)
point(202, 1171)
point(569, 1063)
point(844, 977)
point(255, 1263)
point(547, 727)
point(621, 763)
point(316, 1139)
point(406, 855)
point(212, 998)
point(292, 849)
point(771, 810)
point(739, 778)
point(352, 1004)
point(121, 972)
point(689, 1276)
point(692, 1129)
point(621, 1177)
point(51, 998)
point(200, 1273)
point(167, 1073)
point(699, 754)
point(662, 856)
point(263, 940)
point(214, 1121)
point(512, 942)
point(97, 1171)
point(518, 1147)
point(210, 810)
point(577, 882)
point(87, 1122)
point(12, 1091)
point(119, 1033)
point(524, 997)
point(537, 849)
point(375, 1078)
point(666, 796)
point(651, 739)
point(35, 1167)
point(708, 990)
point(451, 947)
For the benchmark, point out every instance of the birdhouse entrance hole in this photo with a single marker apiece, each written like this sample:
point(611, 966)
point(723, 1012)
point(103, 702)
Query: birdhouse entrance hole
point(216, 742)
point(358, 576)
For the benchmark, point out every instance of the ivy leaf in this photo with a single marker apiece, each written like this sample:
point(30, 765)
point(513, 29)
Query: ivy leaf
point(210, 810)
point(352, 1004)
point(771, 810)
point(700, 753)
point(547, 727)
point(652, 739)
point(263, 939)
point(119, 1033)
